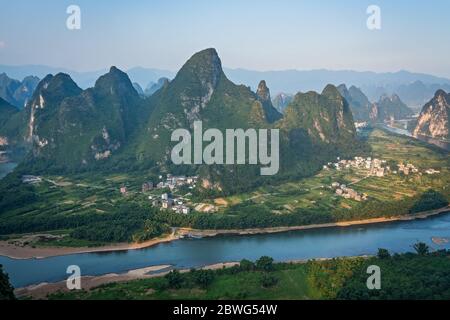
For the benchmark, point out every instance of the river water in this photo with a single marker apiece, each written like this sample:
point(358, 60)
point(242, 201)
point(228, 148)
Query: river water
point(441, 144)
point(187, 253)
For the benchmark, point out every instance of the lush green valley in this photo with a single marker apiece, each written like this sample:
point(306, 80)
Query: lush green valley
point(90, 208)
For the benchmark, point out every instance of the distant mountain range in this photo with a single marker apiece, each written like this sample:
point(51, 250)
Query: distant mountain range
point(6, 112)
point(388, 107)
point(414, 89)
point(17, 92)
point(111, 127)
point(282, 100)
point(358, 101)
point(114, 126)
point(415, 94)
point(152, 87)
point(142, 76)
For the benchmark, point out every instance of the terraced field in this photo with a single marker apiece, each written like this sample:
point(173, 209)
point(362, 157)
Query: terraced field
point(315, 192)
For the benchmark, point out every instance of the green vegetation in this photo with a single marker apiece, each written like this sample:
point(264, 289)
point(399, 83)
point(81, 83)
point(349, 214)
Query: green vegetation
point(88, 214)
point(391, 107)
point(404, 276)
point(310, 200)
point(408, 276)
point(90, 210)
point(6, 290)
point(6, 112)
point(358, 102)
point(428, 201)
point(111, 129)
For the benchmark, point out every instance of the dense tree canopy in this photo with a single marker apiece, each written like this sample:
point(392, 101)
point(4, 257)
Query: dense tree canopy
point(6, 290)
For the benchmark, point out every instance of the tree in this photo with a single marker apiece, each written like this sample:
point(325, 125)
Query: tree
point(203, 278)
point(383, 254)
point(246, 265)
point(6, 289)
point(175, 279)
point(264, 263)
point(268, 280)
point(421, 248)
point(430, 200)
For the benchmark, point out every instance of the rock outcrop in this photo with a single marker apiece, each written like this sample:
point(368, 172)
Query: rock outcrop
point(434, 118)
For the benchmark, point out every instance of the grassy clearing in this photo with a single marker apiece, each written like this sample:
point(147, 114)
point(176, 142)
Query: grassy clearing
point(292, 283)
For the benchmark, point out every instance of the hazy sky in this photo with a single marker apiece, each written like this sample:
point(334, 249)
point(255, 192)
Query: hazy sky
point(259, 35)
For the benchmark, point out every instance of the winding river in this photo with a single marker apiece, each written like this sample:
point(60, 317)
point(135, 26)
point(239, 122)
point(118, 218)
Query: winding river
point(187, 253)
point(439, 143)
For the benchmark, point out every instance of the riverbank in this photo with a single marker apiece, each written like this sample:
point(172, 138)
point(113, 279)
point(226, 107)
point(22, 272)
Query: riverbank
point(42, 290)
point(442, 144)
point(13, 251)
point(26, 252)
point(212, 233)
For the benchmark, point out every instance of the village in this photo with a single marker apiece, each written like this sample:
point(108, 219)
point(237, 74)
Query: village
point(168, 200)
point(373, 167)
point(174, 192)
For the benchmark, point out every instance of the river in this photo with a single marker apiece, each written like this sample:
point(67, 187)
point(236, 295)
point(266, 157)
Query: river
point(187, 253)
point(441, 144)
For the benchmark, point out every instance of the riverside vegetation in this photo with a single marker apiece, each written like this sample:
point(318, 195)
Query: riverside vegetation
point(88, 210)
point(415, 276)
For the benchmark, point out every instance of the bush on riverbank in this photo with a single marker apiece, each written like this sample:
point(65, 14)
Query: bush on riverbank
point(6, 290)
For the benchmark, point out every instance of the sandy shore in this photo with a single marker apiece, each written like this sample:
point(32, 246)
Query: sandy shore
point(213, 233)
point(27, 252)
point(40, 291)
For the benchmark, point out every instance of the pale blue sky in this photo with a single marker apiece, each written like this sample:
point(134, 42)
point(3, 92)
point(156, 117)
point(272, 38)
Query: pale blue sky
point(258, 35)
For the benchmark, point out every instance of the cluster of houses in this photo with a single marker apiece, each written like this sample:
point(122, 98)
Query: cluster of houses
point(348, 193)
point(409, 168)
point(167, 202)
point(377, 167)
point(173, 182)
point(361, 125)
